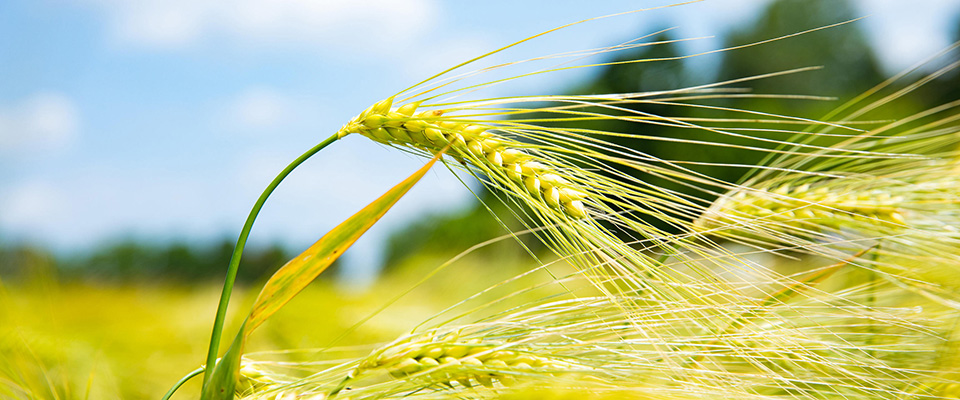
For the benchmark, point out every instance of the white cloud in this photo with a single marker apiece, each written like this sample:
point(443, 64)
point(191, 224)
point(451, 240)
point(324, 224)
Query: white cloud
point(157, 23)
point(177, 23)
point(90, 205)
point(259, 108)
point(32, 204)
point(41, 122)
point(258, 111)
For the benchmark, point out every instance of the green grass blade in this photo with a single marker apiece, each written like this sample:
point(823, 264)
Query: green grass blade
point(295, 275)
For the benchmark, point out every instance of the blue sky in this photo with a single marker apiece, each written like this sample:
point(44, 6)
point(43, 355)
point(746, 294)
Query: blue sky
point(164, 119)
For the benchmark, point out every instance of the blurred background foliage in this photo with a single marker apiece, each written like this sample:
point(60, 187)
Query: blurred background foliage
point(98, 312)
point(132, 261)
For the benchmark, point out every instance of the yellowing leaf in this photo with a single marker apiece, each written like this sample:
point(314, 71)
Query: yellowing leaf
point(303, 269)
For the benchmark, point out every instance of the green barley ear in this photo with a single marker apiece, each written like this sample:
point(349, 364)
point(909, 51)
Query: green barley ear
point(904, 202)
point(479, 144)
point(817, 206)
point(908, 206)
point(444, 357)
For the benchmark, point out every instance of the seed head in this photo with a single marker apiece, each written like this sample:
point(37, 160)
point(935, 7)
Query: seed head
point(477, 144)
point(447, 358)
point(805, 206)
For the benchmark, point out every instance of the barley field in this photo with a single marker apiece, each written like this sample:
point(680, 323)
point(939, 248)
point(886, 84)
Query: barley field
point(779, 221)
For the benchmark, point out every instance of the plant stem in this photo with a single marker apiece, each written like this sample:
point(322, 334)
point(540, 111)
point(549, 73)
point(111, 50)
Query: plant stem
point(238, 251)
point(181, 382)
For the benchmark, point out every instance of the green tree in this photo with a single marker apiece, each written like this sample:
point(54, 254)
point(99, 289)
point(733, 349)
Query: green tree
point(849, 64)
point(947, 88)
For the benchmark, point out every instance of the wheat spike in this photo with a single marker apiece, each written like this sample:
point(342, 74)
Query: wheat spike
point(475, 143)
point(448, 358)
point(907, 206)
point(806, 206)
